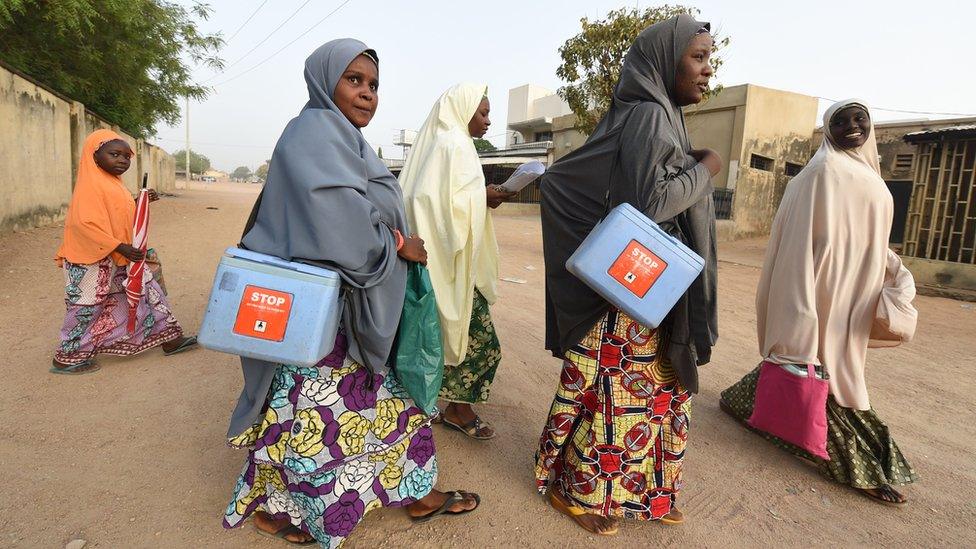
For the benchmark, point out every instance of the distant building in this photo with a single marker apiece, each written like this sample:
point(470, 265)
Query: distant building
point(531, 112)
point(214, 175)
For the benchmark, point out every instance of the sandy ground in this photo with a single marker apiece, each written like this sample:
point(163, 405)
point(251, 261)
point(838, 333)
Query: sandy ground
point(134, 455)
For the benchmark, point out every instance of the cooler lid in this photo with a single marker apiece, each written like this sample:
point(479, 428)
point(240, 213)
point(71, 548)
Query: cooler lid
point(639, 218)
point(273, 261)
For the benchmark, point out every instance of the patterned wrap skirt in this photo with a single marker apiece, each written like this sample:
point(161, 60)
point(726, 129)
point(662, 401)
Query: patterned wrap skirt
point(331, 447)
point(862, 452)
point(617, 430)
point(98, 314)
point(470, 381)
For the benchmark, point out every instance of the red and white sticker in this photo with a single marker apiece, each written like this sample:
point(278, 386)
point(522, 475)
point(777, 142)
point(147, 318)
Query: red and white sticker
point(637, 268)
point(263, 313)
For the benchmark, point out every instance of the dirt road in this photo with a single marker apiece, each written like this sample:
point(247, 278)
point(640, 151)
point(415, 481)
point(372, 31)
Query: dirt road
point(134, 455)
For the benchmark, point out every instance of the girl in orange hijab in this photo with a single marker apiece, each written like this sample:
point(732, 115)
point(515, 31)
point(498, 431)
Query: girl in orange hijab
point(94, 254)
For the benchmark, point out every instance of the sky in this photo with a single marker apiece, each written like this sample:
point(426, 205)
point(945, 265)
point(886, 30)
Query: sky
point(895, 54)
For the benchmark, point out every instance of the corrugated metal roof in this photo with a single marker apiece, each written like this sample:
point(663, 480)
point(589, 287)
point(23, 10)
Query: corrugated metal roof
point(957, 132)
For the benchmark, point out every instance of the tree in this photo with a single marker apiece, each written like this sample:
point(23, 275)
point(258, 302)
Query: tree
point(592, 59)
point(198, 162)
point(241, 172)
point(126, 60)
point(262, 171)
point(483, 145)
point(379, 152)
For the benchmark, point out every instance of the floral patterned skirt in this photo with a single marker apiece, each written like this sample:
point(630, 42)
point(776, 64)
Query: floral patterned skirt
point(470, 381)
point(98, 312)
point(615, 437)
point(331, 447)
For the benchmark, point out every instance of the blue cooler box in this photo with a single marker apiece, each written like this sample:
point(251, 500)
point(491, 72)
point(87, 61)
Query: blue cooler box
point(265, 307)
point(635, 265)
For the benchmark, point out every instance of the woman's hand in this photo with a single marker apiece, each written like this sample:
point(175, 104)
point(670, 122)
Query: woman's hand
point(709, 158)
point(131, 253)
point(496, 195)
point(413, 249)
point(153, 196)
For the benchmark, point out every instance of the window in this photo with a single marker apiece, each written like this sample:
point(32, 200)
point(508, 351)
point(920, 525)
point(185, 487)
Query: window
point(904, 161)
point(543, 136)
point(722, 199)
point(761, 163)
point(792, 169)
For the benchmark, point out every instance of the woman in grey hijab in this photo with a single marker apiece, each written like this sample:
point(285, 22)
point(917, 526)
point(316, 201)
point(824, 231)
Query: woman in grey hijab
point(616, 433)
point(331, 442)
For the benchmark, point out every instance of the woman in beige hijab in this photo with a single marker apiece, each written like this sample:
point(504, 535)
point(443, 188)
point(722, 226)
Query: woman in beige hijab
point(829, 288)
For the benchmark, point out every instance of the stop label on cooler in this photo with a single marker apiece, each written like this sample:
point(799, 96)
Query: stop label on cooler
point(263, 313)
point(637, 268)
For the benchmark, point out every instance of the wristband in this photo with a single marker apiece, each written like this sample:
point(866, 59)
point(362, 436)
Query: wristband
point(399, 239)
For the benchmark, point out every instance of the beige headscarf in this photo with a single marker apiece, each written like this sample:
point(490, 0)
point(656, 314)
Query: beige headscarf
point(826, 264)
point(444, 195)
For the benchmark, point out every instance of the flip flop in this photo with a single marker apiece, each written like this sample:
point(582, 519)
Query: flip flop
point(456, 496)
point(187, 344)
point(79, 369)
point(287, 531)
point(470, 428)
point(886, 488)
point(574, 513)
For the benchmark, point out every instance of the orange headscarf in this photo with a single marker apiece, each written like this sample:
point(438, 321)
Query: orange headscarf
point(101, 212)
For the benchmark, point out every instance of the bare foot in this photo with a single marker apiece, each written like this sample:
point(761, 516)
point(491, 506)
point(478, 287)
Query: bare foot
point(596, 524)
point(461, 413)
point(433, 501)
point(886, 494)
point(268, 525)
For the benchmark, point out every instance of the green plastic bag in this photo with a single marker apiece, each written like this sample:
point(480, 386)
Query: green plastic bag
point(420, 355)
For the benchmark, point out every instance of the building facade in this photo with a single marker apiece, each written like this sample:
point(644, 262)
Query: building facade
point(940, 232)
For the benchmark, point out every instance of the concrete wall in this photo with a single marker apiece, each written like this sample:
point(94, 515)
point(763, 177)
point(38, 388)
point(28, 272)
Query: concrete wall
point(35, 153)
point(777, 125)
point(941, 273)
point(41, 137)
point(565, 137)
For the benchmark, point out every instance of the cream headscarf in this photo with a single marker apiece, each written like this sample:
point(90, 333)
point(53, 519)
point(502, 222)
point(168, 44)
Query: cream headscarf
point(826, 263)
point(444, 194)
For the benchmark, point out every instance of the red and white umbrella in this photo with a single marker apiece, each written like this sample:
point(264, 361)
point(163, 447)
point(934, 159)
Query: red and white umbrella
point(134, 287)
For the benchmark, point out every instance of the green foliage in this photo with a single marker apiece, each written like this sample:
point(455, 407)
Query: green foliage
point(379, 152)
point(198, 162)
point(262, 171)
point(592, 59)
point(483, 145)
point(127, 60)
point(240, 172)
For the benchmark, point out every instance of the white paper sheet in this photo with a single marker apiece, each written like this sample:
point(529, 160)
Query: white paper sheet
point(524, 174)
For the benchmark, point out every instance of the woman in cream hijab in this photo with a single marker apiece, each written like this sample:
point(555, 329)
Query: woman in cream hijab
point(830, 287)
point(447, 205)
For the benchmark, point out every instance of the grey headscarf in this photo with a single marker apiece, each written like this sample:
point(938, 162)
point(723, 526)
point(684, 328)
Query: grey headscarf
point(329, 200)
point(638, 154)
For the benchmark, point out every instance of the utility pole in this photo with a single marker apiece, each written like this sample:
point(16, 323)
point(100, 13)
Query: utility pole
point(187, 152)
